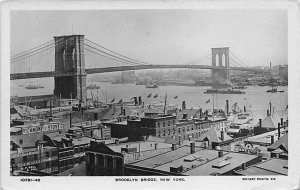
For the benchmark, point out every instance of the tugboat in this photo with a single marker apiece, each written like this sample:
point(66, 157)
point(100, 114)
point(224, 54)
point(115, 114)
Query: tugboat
point(274, 90)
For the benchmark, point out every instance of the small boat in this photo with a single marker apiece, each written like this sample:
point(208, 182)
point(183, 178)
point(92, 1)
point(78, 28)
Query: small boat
point(239, 87)
point(151, 85)
point(32, 85)
point(274, 90)
point(229, 91)
point(263, 84)
point(93, 86)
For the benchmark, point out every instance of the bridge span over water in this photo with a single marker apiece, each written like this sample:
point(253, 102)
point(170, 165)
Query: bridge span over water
point(16, 76)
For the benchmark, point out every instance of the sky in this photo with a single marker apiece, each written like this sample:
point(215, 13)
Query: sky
point(257, 37)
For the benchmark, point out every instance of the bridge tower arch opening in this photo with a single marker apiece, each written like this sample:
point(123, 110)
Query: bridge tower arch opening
point(220, 58)
point(69, 59)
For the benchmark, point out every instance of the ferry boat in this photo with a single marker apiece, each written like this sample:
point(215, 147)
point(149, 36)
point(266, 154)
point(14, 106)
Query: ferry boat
point(93, 86)
point(32, 85)
point(239, 87)
point(274, 90)
point(229, 91)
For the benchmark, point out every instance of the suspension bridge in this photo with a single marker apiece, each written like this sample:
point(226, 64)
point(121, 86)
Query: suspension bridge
point(70, 58)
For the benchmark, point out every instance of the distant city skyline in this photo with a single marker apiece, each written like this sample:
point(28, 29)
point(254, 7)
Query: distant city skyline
point(162, 36)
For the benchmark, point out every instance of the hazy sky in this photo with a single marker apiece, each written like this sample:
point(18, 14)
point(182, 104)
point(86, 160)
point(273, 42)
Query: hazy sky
point(162, 36)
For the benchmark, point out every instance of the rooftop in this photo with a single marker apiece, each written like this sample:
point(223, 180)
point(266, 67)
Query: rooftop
point(265, 138)
point(269, 167)
point(140, 145)
point(165, 158)
point(216, 166)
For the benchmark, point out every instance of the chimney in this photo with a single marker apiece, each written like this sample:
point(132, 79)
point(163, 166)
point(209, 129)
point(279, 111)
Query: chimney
point(281, 121)
point(227, 107)
point(245, 109)
point(278, 128)
point(140, 100)
point(222, 135)
point(220, 153)
point(272, 139)
point(260, 123)
point(155, 145)
point(268, 113)
point(184, 116)
point(124, 112)
point(206, 113)
point(243, 166)
point(183, 105)
point(117, 141)
point(173, 146)
point(135, 101)
point(192, 147)
point(200, 113)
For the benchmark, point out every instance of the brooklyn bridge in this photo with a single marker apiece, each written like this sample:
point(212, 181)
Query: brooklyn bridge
point(70, 70)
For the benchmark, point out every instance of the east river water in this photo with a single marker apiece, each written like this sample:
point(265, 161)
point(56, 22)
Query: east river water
point(256, 98)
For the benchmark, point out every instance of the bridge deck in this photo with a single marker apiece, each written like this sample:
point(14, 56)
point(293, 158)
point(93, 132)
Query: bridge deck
point(16, 76)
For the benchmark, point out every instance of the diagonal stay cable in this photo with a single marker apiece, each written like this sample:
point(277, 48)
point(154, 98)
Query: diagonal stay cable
point(116, 57)
point(141, 62)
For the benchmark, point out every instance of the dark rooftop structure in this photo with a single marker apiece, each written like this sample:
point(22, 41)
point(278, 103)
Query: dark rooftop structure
point(269, 167)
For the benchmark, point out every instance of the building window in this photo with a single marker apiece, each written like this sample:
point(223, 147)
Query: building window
point(178, 130)
point(169, 123)
point(169, 132)
point(159, 133)
point(47, 164)
point(173, 122)
point(158, 124)
point(21, 141)
point(164, 124)
point(76, 150)
point(47, 154)
point(35, 157)
point(24, 159)
point(54, 153)
point(173, 131)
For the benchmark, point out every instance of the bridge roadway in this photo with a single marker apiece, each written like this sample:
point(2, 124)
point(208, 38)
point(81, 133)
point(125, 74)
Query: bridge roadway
point(16, 76)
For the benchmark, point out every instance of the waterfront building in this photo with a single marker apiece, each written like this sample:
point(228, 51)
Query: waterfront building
point(65, 149)
point(102, 159)
point(42, 159)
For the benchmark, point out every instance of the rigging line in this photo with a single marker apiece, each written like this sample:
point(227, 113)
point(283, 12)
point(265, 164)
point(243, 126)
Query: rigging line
point(20, 56)
point(115, 52)
point(103, 55)
point(58, 43)
point(32, 48)
point(112, 55)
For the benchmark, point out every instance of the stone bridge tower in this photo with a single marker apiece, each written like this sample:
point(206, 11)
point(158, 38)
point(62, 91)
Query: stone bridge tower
point(219, 54)
point(69, 58)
